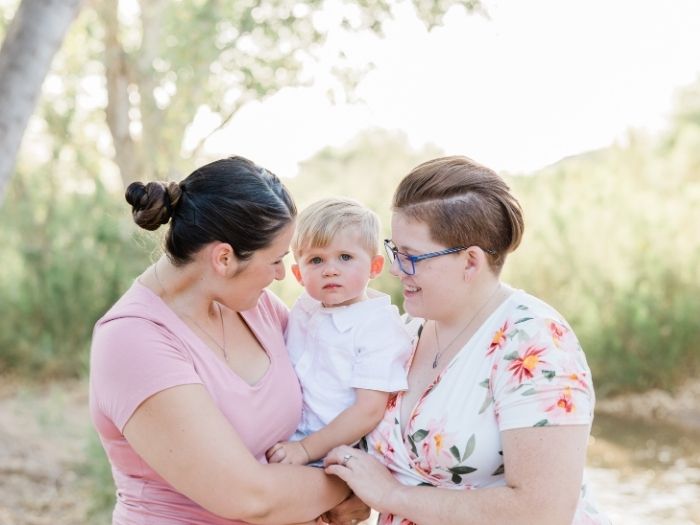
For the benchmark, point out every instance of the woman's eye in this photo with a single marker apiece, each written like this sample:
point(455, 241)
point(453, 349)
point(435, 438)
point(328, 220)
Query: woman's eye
point(315, 260)
point(345, 257)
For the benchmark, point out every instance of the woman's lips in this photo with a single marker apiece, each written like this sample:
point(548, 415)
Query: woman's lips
point(410, 290)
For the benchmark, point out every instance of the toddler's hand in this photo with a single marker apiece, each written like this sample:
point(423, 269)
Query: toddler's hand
point(288, 452)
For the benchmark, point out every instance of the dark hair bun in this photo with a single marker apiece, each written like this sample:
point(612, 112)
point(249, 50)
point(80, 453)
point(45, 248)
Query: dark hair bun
point(154, 203)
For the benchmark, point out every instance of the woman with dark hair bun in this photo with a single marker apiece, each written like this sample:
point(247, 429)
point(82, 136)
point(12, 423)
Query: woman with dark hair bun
point(190, 382)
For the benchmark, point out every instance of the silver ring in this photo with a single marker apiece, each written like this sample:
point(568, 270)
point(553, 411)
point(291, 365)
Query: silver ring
point(346, 458)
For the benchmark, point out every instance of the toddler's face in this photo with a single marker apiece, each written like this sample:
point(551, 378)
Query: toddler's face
point(337, 274)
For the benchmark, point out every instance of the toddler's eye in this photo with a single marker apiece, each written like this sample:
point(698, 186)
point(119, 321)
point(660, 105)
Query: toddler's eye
point(315, 260)
point(345, 257)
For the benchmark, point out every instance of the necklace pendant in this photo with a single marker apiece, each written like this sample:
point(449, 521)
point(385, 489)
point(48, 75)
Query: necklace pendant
point(435, 361)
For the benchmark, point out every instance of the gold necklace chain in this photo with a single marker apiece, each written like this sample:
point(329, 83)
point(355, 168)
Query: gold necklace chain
point(223, 331)
point(221, 316)
point(438, 353)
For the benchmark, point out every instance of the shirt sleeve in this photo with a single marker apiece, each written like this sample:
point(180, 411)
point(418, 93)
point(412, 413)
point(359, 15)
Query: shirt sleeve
point(382, 349)
point(540, 376)
point(133, 359)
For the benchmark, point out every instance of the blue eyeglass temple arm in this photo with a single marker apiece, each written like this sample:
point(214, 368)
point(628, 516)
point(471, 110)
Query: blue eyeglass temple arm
point(389, 245)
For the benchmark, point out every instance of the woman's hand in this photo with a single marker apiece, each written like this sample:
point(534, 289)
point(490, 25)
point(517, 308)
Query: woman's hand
point(368, 479)
point(288, 452)
point(350, 512)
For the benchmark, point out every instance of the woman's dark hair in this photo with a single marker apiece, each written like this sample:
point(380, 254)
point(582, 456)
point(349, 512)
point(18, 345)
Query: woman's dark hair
point(230, 200)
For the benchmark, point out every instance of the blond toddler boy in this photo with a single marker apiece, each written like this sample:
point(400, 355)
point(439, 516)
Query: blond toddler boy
point(346, 341)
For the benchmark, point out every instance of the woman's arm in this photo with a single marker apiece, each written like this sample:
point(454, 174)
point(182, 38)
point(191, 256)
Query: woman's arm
point(347, 428)
point(543, 470)
point(181, 434)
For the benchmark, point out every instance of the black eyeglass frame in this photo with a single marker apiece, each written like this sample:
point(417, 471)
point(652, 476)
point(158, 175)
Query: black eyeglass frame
point(393, 252)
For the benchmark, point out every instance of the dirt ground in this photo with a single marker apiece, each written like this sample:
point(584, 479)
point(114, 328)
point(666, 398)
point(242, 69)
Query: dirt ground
point(43, 440)
point(45, 430)
point(681, 409)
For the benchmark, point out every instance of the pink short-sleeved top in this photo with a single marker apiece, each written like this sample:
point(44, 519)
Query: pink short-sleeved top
point(141, 347)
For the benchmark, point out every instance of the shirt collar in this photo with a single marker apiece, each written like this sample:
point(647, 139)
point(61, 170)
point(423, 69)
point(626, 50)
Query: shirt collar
point(345, 317)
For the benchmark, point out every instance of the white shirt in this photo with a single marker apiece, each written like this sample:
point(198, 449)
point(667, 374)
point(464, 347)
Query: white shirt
point(335, 350)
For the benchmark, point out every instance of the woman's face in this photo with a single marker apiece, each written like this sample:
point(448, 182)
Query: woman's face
point(433, 292)
point(265, 265)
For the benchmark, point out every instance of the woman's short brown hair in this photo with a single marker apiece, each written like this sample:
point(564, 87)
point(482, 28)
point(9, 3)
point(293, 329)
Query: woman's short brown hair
point(464, 204)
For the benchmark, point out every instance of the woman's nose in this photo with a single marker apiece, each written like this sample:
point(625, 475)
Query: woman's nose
point(281, 272)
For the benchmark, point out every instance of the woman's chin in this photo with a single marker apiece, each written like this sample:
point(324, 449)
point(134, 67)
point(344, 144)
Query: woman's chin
point(412, 307)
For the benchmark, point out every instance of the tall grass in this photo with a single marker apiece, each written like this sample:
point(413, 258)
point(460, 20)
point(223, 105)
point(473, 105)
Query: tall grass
point(612, 242)
point(66, 256)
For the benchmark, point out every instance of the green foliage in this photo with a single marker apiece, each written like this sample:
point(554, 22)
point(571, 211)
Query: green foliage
point(611, 241)
point(7, 11)
point(231, 53)
point(66, 258)
point(97, 473)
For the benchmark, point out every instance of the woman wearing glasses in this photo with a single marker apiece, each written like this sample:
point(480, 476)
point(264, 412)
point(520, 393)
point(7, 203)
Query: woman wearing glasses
point(494, 426)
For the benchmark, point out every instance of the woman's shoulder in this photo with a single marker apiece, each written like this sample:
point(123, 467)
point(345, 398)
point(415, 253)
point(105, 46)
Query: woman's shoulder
point(525, 308)
point(527, 321)
point(138, 302)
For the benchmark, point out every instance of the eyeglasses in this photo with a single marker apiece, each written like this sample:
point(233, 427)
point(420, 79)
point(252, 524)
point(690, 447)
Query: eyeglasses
point(407, 263)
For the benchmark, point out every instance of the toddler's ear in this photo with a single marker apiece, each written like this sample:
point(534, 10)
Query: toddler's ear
point(297, 273)
point(376, 266)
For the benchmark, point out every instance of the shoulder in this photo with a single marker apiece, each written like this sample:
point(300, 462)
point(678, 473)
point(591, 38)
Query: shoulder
point(379, 323)
point(303, 309)
point(137, 301)
point(270, 308)
point(374, 313)
point(528, 317)
point(137, 314)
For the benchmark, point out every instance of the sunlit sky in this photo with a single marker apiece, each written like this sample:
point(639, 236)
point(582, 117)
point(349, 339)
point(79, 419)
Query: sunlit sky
point(532, 83)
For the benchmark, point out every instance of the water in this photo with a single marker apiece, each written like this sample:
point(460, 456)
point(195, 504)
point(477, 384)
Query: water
point(645, 473)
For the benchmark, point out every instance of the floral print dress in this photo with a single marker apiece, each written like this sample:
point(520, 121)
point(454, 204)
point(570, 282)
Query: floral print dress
point(523, 368)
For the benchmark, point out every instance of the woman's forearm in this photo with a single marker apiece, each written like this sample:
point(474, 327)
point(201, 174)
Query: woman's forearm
point(543, 473)
point(290, 494)
point(181, 434)
point(492, 506)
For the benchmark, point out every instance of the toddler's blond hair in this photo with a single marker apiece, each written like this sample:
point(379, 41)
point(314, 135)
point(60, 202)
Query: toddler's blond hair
point(320, 222)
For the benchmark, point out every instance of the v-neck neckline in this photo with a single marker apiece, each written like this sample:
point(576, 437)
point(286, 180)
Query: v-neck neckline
point(194, 338)
point(404, 428)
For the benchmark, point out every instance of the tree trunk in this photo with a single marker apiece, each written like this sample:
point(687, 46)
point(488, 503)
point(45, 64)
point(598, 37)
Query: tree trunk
point(126, 151)
point(152, 117)
point(33, 38)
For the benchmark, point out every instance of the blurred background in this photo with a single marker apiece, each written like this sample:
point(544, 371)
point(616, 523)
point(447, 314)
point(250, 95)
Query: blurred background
point(590, 110)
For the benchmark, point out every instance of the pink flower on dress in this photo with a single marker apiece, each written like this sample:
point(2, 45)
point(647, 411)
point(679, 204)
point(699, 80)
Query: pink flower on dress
point(558, 331)
point(579, 379)
point(524, 367)
point(388, 519)
point(433, 446)
point(499, 338)
point(419, 404)
point(564, 403)
point(392, 402)
point(382, 445)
